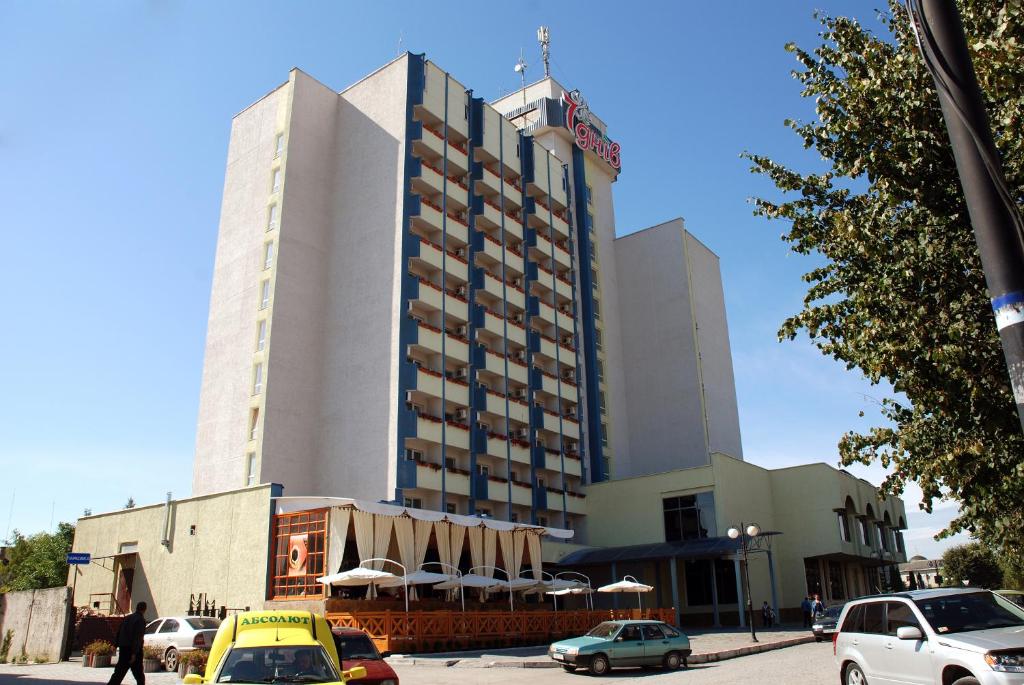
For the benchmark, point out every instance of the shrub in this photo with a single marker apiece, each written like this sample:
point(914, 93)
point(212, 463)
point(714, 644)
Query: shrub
point(100, 648)
point(197, 659)
point(151, 652)
point(5, 646)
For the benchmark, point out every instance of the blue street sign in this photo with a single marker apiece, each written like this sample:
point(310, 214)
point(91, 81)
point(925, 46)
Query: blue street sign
point(79, 557)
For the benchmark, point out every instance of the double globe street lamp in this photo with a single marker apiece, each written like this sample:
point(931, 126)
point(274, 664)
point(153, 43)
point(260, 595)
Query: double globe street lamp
point(752, 531)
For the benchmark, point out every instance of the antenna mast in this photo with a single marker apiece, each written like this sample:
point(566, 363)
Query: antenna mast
point(520, 69)
point(544, 38)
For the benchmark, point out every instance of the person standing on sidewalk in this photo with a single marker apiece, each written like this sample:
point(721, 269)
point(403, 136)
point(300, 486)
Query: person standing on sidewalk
point(805, 607)
point(129, 647)
point(766, 615)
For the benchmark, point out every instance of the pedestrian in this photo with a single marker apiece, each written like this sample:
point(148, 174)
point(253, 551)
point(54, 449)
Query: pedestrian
point(805, 607)
point(817, 607)
point(129, 647)
point(766, 615)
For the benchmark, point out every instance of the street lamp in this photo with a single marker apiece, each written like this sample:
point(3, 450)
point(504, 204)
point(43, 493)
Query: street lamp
point(752, 531)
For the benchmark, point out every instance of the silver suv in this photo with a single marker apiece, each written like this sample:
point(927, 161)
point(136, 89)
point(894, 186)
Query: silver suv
point(947, 636)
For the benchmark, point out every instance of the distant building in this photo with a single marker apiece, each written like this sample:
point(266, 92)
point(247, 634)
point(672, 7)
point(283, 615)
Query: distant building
point(928, 572)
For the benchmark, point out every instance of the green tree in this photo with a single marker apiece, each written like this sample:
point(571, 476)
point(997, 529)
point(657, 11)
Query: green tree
point(975, 563)
point(37, 561)
point(898, 292)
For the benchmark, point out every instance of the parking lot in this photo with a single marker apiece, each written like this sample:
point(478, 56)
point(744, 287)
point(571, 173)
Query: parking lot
point(808, 664)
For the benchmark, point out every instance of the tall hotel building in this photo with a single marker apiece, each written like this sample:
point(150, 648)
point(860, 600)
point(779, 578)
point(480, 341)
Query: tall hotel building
point(419, 298)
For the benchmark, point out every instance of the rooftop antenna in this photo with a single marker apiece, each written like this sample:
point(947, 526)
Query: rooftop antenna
point(400, 42)
point(520, 69)
point(544, 38)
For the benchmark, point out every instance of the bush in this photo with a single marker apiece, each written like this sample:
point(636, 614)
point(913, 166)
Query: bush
point(5, 646)
point(197, 659)
point(151, 652)
point(100, 648)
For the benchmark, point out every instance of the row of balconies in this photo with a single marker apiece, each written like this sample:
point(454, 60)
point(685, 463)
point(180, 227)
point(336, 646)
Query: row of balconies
point(491, 488)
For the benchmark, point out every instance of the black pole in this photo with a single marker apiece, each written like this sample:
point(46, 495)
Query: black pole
point(746, 569)
point(993, 213)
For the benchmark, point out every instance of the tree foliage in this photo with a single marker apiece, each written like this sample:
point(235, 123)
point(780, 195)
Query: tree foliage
point(900, 294)
point(975, 563)
point(37, 561)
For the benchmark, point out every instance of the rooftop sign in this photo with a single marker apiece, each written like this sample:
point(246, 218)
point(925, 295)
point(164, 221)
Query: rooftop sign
point(588, 137)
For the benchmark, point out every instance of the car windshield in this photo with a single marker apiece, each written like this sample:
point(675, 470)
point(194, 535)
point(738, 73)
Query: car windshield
point(203, 623)
point(301, 664)
point(604, 630)
point(355, 647)
point(972, 611)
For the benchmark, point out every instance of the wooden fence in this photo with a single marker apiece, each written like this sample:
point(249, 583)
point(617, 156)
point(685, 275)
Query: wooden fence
point(419, 632)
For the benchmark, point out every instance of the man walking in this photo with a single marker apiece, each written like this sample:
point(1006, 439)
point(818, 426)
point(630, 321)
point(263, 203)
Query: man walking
point(805, 607)
point(816, 606)
point(129, 647)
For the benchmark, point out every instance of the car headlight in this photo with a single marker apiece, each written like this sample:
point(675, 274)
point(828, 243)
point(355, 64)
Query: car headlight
point(817, 626)
point(1007, 662)
point(572, 651)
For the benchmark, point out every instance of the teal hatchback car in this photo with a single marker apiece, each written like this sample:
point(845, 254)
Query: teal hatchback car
point(623, 643)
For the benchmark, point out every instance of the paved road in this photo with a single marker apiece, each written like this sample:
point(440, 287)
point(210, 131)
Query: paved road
point(809, 664)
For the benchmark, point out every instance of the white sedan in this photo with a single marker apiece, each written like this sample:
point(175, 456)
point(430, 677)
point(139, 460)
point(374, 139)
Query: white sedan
point(176, 634)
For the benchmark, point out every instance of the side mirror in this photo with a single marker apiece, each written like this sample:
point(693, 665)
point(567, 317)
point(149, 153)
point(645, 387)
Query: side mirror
point(909, 633)
point(357, 673)
point(193, 679)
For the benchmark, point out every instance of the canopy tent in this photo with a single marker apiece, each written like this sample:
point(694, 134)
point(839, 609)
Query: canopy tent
point(628, 584)
point(289, 504)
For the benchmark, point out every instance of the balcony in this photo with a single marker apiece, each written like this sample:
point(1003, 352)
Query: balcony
point(496, 364)
point(429, 428)
point(514, 295)
point(521, 494)
point(429, 338)
point(520, 451)
point(429, 181)
point(428, 219)
point(431, 254)
point(576, 503)
point(429, 296)
point(431, 146)
point(428, 477)
point(573, 466)
point(513, 195)
point(490, 215)
point(562, 257)
point(550, 385)
point(559, 223)
point(429, 382)
point(489, 183)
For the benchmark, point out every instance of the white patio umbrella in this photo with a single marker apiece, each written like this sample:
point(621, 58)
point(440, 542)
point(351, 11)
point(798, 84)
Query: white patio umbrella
point(422, 577)
point(361, 575)
point(628, 584)
point(470, 580)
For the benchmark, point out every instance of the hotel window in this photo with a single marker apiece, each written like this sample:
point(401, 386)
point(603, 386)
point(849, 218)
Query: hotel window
point(542, 520)
point(844, 526)
point(601, 402)
point(900, 547)
point(864, 537)
point(483, 512)
point(597, 339)
point(254, 423)
point(701, 573)
point(272, 217)
point(261, 335)
point(590, 222)
point(590, 198)
point(264, 294)
point(450, 508)
point(413, 503)
point(604, 434)
point(449, 463)
point(513, 517)
point(268, 254)
point(600, 370)
point(250, 469)
point(275, 184)
point(597, 307)
point(689, 517)
point(883, 539)
point(278, 145)
point(257, 378)
point(298, 549)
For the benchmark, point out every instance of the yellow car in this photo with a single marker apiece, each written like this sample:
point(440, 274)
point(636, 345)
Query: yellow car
point(274, 647)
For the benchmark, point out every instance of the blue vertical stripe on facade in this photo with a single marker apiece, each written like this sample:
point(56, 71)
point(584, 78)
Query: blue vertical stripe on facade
point(477, 354)
point(586, 280)
point(408, 328)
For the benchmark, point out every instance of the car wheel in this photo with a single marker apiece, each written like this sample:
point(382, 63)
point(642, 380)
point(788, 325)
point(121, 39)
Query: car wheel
point(672, 661)
point(817, 639)
point(966, 680)
point(569, 669)
point(599, 664)
point(171, 659)
point(854, 676)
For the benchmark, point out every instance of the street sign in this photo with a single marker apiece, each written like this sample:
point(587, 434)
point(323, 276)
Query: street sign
point(79, 557)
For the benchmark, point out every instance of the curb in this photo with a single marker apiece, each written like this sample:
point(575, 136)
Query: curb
point(704, 658)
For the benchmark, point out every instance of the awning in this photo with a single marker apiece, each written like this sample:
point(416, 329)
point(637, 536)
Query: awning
point(290, 504)
point(704, 548)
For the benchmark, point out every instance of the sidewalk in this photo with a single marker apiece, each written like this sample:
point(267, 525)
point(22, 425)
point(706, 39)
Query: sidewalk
point(707, 645)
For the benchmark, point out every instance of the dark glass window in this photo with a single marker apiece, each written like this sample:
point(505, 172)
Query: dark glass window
point(835, 581)
point(812, 575)
point(874, 617)
point(854, 622)
point(689, 517)
point(698, 581)
point(898, 615)
point(653, 632)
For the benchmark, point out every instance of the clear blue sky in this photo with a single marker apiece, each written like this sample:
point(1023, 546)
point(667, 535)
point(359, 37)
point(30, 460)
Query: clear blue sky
point(113, 136)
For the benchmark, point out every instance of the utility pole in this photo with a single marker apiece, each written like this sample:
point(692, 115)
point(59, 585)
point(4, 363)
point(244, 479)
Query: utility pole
point(997, 224)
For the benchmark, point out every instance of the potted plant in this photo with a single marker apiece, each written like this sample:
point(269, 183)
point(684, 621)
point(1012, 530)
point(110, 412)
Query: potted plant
point(151, 659)
point(197, 662)
point(99, 653)
point(184, 661)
